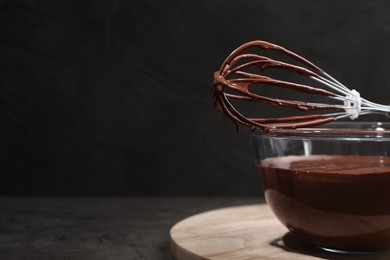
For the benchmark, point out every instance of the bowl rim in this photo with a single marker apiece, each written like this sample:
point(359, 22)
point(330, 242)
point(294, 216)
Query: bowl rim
point(339, 130)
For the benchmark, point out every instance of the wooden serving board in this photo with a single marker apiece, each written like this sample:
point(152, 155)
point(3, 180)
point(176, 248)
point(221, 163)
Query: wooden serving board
point(244, 233)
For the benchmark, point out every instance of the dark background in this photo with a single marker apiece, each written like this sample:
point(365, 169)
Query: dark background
point(113, 97)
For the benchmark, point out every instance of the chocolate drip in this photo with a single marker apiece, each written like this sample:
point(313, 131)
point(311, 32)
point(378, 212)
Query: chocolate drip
point(233, 77)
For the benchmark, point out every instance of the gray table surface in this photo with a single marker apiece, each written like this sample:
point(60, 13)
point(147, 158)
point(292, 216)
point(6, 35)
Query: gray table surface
point(96, 228)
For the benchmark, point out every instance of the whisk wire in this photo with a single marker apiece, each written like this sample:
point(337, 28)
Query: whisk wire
point(232, 76)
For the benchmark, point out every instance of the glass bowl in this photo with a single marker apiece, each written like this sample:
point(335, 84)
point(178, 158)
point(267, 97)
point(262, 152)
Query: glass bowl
point(331, 184)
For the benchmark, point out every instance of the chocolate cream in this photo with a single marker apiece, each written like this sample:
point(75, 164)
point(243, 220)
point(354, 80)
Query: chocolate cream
point(333, 201)
point(233, 76)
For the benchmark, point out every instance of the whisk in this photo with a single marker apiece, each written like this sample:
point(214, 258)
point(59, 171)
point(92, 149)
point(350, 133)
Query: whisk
point(233, 76)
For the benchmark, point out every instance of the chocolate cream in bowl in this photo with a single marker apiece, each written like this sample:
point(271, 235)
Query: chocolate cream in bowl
point(333, 201)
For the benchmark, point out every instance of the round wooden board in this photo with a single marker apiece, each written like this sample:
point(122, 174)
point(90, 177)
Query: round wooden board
point(244, 233)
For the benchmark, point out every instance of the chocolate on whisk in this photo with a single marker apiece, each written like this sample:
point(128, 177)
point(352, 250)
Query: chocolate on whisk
point(233, 76)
